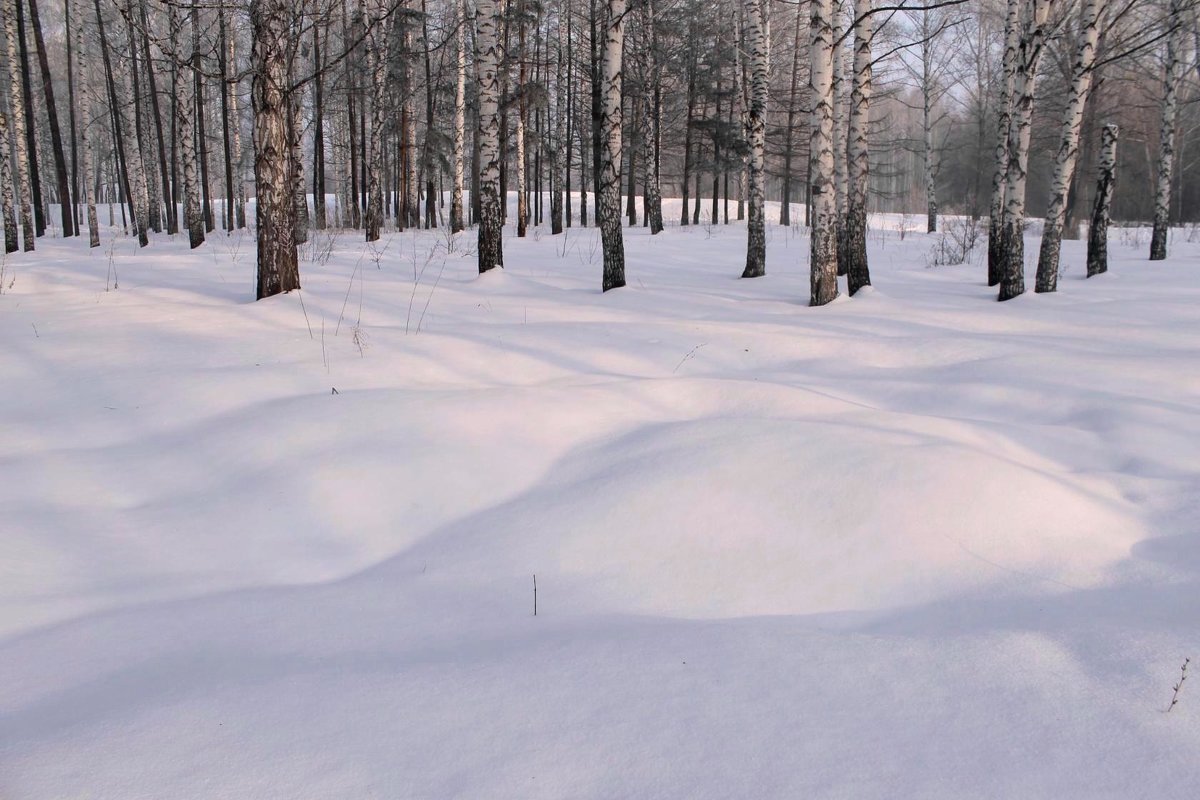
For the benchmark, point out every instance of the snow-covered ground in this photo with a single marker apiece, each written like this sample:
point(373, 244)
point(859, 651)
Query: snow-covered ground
point(912, 544)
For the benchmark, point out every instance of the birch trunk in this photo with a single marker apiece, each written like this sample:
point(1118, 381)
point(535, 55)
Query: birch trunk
point(652, 135)
point(84, 110)
point(608, 201)
point(1166, 141)
point(299, 198)
point(460, 119)
point(412, 186)
point(133, 150)
point(758, 44)
point(11, 240)
point(488, 52)
point(521, 122)
point(56, 144)
point(823, 238)
point(559, 145)
point(927, 89)
point(377, 60)
point(278, 269)
point(1097, 251)
point(841, 175)
point(239, 157)
point(858, 273)
point(193, 216)
point(785, 207)
point(1012, 35)
point(1068, 148)
point(1012, 233)
point(16, 104)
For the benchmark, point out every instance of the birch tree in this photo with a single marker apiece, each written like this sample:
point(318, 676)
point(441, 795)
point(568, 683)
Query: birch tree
point(82, 64)
point(1166, 140)
point(823, 263)
point(193, 215)
point(460, 117)
point(758, 43)
point(1097, 248)
point(652, 121)
point(16, 104)
point(1004, 109)
point(1012, 232)
point(1068, 148)
point(278, 267)
point(377, 61)
point(11, 242)
point(608, 201)
point(488, 56)
point(858, 273)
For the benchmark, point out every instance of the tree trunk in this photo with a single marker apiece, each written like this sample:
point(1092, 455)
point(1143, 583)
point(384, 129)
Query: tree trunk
point(789, 134)
point(199, 111)
point(320, 213)
point(858, 274)
point(460, 118)
point(193, 216)
point(1012, 35)
point(82, 63)
point(758, 45)
point(377, 61)
point(160, 134)
point(11, 242)
point(927, 89)
point(1166, 141)
point(1097, 250)
point(488, 57)
point(1068, 148)
point(1012, 233)
point(560, 143)
point(652, 135)
point(839, 137)
point(56, 144)
point(823, 264)
point(608, 199)
point(16, 103)
point(39, 209)
point(278, 267)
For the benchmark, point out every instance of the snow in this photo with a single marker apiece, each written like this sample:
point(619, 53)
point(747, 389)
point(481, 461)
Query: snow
point(914, 543)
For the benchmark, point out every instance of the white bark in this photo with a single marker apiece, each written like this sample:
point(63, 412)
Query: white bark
point(1097, 252)
point(858, 274)
point(278, 268)
point(1012, 234)
point(133, 153)
point(84, 82)
point(193, 215)
point(823, 237)
point(758, 45)
point(460, 119)
point(1068, 148)
point(11, 240)
point(16, 101)
point(608, 203)
point(377, 61)
point(1012, 35)
point(488, 51)
point(1166, 141)
point(652, 122)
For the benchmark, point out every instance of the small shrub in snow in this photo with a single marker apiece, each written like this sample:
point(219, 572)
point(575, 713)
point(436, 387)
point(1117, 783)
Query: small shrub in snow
point(1179, 685)
point(955, 244)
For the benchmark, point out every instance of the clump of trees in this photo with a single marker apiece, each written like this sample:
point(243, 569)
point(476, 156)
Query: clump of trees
point(376, 115)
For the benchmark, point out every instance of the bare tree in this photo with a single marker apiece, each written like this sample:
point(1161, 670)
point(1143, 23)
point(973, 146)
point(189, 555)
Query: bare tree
point(608, 200)
point(823, 261)
point(1097, 251)
point(488, 58)
point(1166, 141)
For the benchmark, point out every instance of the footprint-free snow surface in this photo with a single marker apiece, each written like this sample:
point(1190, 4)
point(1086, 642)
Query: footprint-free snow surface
point(916, 543)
